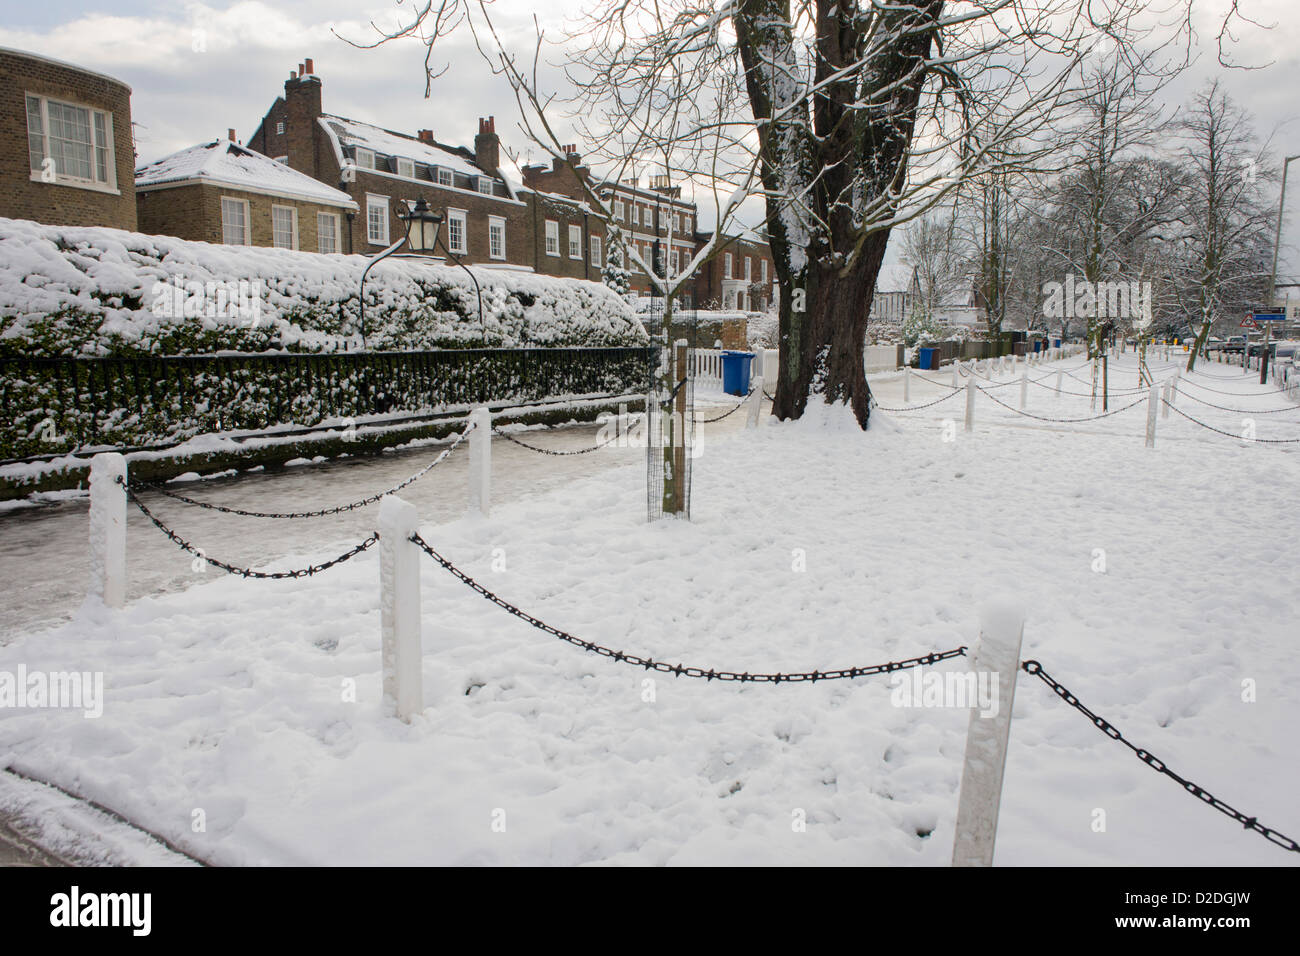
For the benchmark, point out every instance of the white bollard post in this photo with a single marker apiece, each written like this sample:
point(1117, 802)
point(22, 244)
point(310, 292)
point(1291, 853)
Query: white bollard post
point(1059, 375)
point(907, 384)
point(1164, 407)
point(970, 404)
point(996, 653)
point(1024, 389)
point(399, 602)
point(108, 529)
point(955, 363)
point(755, 403)
point(1173, 388)
point(1153, 398)
point(480, 461)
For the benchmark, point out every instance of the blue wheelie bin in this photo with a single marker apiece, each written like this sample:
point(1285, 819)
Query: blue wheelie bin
point(926, 360)
point(735, 371)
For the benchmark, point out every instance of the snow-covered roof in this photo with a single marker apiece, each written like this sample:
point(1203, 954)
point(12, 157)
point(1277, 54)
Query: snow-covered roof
point(347, 132)
point(64, 63)
point(225, 163)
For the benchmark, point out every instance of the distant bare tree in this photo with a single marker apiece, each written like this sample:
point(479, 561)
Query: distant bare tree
point(1227, 217)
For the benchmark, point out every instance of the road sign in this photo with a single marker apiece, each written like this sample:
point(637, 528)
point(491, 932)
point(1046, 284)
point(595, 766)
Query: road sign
point(1248, 323)
point(1270, 316)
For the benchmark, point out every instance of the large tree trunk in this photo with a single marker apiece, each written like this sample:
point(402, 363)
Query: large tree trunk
point(822, 163)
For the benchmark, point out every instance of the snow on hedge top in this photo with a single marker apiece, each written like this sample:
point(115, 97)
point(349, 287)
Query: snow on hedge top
point(347, 132)
point(94, 290)
point(229, 164)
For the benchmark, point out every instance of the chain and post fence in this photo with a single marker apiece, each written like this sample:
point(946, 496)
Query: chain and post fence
point(996, 651)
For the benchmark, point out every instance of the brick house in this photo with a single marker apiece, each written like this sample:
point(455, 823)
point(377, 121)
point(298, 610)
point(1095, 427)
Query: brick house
point(664, 228)
point(741, 276)
point(226, 193)
point(66, 152)
point(487, 220)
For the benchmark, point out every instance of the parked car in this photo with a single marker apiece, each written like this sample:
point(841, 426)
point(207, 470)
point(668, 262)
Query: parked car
point(1283, 361)
point(1235, 343)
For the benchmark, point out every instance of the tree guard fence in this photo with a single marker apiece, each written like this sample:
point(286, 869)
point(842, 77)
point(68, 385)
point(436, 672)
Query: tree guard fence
point(670, 415)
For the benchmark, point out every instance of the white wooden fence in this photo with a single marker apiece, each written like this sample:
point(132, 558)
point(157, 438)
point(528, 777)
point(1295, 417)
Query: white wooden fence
point(706, 368)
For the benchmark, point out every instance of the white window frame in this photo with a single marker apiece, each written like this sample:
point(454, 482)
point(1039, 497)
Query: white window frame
point(109, 182)
point(243, 205)
point(595, 252)
point(575, 242)
point(618, 210)
point(381, 202)
point(676, 260)
point(552, 237)
point(333, 219)
point(497, 222)
point(636, 214)
point(485, 186)
point(461, 216)
point(405, 168)
point(446, 178)
point(364, 158)
point(762, 271)
point(279, 128)
point(726, 265)
point(749, 269)
point(293, 226)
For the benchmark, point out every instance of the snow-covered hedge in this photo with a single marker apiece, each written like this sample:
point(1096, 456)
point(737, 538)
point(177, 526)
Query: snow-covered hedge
point(93, 291)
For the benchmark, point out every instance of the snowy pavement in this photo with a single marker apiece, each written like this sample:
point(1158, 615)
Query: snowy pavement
point(44, 560)
point(812, 545)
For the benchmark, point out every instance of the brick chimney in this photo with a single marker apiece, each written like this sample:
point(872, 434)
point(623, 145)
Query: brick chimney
point(487, 145)
point(302, 106)
point(230, 133)
point(425, 136)
point(302, 95)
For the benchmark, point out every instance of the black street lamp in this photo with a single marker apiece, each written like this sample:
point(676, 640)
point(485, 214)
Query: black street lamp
point(424, 239)
point(422, 225)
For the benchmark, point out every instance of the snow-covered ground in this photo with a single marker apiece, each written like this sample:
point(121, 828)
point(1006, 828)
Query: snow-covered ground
point(812, 545)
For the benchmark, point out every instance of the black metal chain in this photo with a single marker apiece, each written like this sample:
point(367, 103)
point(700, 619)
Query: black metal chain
point(246, 572)
point(1250, 823)
point(734, 408)
point(1266, 441)
point(912, 408)
point(1044, 418)
point(681, 670)
point(769, 397)
point(351, 506)
point(1240, 411)
point(1114, 392)
point(930, 381)
point(1219, 391)
point(985, 378)
point(560, 454)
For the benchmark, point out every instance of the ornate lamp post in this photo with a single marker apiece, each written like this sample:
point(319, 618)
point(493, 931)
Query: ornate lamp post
point(422, 227)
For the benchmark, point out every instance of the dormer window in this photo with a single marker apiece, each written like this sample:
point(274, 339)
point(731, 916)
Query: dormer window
point(406, 168)
point(444, 177)
point(485, 185)
point(364, 158)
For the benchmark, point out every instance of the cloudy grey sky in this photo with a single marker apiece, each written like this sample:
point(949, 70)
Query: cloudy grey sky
point(183, 95)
